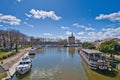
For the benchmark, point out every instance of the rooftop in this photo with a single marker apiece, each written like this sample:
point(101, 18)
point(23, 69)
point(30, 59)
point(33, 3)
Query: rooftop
point(91, 51)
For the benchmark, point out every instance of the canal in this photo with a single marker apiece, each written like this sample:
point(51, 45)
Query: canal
point(57, 63)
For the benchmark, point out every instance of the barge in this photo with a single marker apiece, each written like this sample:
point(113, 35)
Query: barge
point(95, 59)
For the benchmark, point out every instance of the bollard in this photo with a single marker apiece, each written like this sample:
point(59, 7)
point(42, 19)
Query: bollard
point(1, 62)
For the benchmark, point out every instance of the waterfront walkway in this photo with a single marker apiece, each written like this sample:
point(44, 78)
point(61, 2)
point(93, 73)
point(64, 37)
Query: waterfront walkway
point(10, 63)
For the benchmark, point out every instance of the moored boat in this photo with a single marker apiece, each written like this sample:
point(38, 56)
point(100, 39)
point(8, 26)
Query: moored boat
point(32, 51)
point(95, 59)
point(24, 65)
point(26, 58)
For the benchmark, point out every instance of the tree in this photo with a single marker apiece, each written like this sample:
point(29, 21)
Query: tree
point(11, 39)
point(88, 45)
point(110, 47)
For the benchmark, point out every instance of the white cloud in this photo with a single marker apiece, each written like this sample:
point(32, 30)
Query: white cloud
point(82, 26)
point(1, 25)
point(89, 24)
point(113, 16)
point(64, 28)
point(25, 22)
point(41, 14)
point(68, 32)
point(19, 0)
point(47, 34)
point(89, 28)
point(28, 24)
point(9, 19)
point(26, 19)
point(62, 37)
point(112, 32)
point(107, 29)
point(92, 34)
point(81, 33)
point(28, 15)
point(106, 33)
point(100, 34)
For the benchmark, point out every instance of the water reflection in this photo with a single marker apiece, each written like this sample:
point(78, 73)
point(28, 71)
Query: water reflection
point(107, 73)
point(32, 56)
point(61, 64)
point(22, 77)
point(45, 73)
point(71, 51)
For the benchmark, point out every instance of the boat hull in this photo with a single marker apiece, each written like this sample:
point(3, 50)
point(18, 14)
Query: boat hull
point(93, 65)
point(22, 70)
point(24, 65)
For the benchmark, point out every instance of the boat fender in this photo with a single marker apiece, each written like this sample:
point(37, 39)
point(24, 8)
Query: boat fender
point(109, 69)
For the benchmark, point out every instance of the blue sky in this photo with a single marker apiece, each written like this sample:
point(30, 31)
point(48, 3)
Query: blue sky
point(89, 20)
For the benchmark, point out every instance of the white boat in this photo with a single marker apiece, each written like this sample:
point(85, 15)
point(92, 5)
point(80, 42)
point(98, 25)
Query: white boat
point(24, 65)
point(32, 52)
point(27, 58)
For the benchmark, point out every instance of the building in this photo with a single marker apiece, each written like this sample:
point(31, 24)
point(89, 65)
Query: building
point(71, 39)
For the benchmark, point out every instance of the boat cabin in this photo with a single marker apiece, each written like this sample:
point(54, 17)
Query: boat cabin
point(95, 59)
point(93, 55)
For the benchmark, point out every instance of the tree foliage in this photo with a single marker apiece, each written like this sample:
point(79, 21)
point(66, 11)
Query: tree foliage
point(10, 40)
point(110, 47)
point(88, 45)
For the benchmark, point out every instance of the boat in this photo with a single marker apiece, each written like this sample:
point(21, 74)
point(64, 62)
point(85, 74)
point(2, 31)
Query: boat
point(26, 58)
point(95, 59)
point(24, 65)
point(32, 51)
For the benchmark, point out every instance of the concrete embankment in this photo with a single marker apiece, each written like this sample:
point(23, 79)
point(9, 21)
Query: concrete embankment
point(11, 63)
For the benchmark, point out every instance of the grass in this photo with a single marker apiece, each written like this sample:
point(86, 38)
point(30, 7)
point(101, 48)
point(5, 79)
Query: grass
point(3, 75)
point(4, 55)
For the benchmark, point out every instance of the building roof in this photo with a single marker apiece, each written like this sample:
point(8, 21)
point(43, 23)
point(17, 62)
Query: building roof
point(89, 51)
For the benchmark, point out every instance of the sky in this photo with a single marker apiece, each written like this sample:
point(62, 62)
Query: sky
point(88, 20)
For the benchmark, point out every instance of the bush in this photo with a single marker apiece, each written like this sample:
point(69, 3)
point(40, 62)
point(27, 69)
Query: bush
point(88, 45)
point(1, 58)
point(5, 56)
point(110, 47)
point(4, 50)
point(3, 75)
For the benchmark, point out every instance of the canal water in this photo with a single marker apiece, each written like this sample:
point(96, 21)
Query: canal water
point(57, 63)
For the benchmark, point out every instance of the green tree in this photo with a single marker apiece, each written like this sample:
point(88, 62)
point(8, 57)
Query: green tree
point(88, 45)
point(110, 47)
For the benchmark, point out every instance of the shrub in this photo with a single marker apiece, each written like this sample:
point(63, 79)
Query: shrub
point(4, 49)
point(5, 56)
point(3, 75)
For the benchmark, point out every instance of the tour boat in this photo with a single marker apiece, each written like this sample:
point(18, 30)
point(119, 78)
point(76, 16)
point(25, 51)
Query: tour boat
point(24, 65)
point(95, 59)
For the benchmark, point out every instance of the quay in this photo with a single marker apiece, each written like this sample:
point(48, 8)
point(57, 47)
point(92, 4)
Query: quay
point(9, 65)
